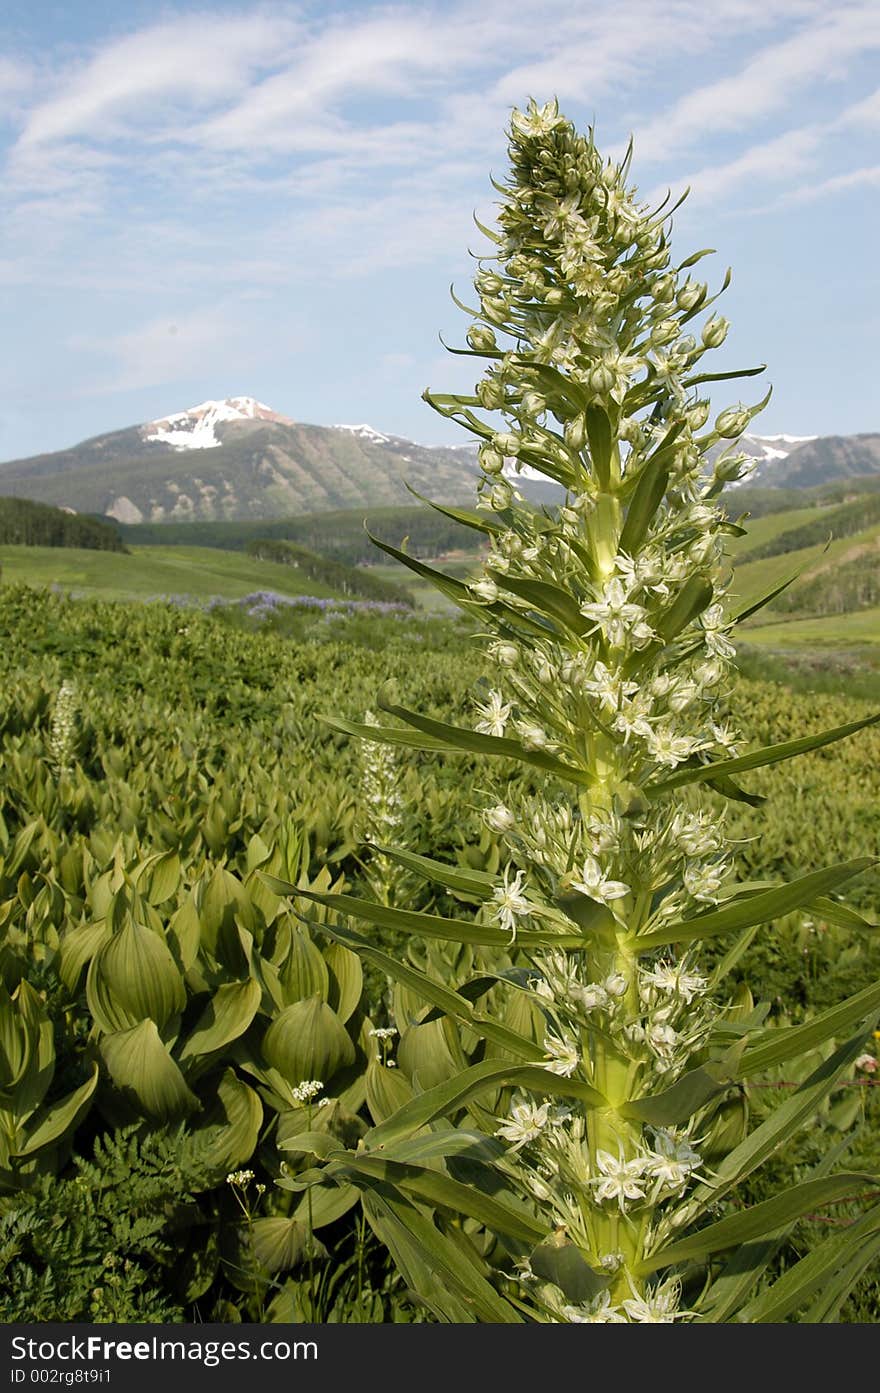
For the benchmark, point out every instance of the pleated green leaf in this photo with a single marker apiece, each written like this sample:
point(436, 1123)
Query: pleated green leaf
point(225, 1018)
point(134, 977)
point(230, 1126)
point(307, 1041)
point(59, 1120)
point(146, 1075)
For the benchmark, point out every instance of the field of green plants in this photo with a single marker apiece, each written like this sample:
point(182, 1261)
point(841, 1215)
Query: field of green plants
point(165, 1011)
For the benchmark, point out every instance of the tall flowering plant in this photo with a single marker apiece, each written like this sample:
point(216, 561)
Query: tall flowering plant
point(595, 1141)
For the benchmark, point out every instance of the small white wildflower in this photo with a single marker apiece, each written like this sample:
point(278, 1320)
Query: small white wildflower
point(239, 1178)
point(866, 1062)
point(657, 1307)
point(597, 1312)
point(619, 1180)
point(385, 1032)
point(494, 715)
point(307, 1090)
point(591, 997)
point(671, 977)
point(510, 903)
point(563, 1054)
point(527, 1121)
point(593, 883)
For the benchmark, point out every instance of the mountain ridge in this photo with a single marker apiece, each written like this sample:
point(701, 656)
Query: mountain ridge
point(236, 459)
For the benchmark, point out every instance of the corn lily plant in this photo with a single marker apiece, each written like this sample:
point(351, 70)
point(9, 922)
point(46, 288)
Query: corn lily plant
point(576, 1168)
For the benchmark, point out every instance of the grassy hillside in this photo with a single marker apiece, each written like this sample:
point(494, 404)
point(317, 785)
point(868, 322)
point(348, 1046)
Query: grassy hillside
point(148, 572)
point(340, 535)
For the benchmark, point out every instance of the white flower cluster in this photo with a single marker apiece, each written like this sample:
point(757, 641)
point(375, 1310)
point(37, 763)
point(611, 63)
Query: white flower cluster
point(609, 640)
point(307, 1090)
point(62, 732)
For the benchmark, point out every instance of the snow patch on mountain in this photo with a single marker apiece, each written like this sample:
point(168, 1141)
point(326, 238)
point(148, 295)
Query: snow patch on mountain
point(195, 428)
point(366, 432)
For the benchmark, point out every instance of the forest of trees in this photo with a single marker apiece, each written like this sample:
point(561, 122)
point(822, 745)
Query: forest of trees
point(29, 524)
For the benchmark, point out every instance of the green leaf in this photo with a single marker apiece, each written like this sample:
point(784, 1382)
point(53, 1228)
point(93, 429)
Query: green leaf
point(438, 1189)
point(695, 595)
point(450, 1282)
point(133, 977)
point(474, 742)
point(766, 599)
point(601, 440)
point(834, 1293)
point(346, 980)
point(306, 1041)
point(773, 1133)
point(469, 882)
point(436, 994)
point(59, 1120)
point(225, 1018)
point(547, 599)
point(478, 521)
point(564, 1265)
point(387, 1090)
point(479, 1078)
point(229, 1128)
point(146, 1075)
point(758, 759)
point(757, 909)
point(413, 921)
point(818, 1271)
point(689, 1093)
point(779, 1044)
point(723, 376)
point(760, 1220)
point(648, 496)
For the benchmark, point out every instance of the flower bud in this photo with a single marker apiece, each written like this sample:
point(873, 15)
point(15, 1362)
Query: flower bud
point(482, 338)
point(601, 379)
point(507, 654)
point(731, 423)
point(715, 331)
point(491, 394)
point(692, 293)
point(490, 459)
point(507, 443)
point(499, 819)
point(576, 433)
point(665, 331)
point(494, 309)
point(698, 414)
point(485, 589)
point(500, 497)
point(533, 404)
point(663, 289)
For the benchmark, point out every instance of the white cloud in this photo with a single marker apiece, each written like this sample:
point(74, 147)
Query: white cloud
point(190, 60)
point(819, 53)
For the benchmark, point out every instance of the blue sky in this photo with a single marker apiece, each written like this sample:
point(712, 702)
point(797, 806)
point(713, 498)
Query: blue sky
point(272, 200)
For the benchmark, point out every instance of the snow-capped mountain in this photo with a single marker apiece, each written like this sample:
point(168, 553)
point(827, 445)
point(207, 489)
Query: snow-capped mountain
point(237, 458)
point(196, 428)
